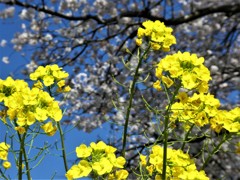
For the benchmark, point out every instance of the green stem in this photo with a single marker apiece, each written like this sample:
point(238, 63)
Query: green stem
point(165, 145)
point(132, 90)
point(186, 137)
point(216, 149)
point(63, 146)
point(165, 133)
point(61, 137)
point(3, 175)
point(20, 158)
point(26, 163)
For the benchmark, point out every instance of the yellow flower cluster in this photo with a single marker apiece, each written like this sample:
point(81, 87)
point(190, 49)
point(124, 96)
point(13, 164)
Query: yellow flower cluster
point(202, 109)
point(50, 75)
point(158, 34)
point(186, 67)
point(194, 110)
point(3, 154)
point(229, 120)
point(98, 159)
point(26, 105)
point(179, 165)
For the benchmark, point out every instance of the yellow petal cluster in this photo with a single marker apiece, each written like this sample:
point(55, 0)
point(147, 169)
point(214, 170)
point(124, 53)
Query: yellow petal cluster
point(100, 160)
point(29, 105)
point(49, 128)
point(158, 35)
point(194, 110)
point(26, 105)
point(50, 75)
point(6, 164)
point(228, 120)
point(82, 169)
point(9, 86)
point(202, 109)
point(187, 68)
point(179, 165)
point(4, 147)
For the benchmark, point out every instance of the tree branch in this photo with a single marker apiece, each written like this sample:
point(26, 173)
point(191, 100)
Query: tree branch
point(146, 13)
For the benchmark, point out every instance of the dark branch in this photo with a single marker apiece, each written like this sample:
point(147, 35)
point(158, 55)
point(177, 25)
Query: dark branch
point(146, 13)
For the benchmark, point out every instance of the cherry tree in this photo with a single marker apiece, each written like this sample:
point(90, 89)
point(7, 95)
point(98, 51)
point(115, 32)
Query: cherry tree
point(95, 39)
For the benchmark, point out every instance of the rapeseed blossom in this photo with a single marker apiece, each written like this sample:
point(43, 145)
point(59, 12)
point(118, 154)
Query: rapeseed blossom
point(49, 128)
point(26, 105)
point(203, 109)
point(194, 110)
point(187, 68)
point(6, 164)
point(4, 147)
point(228, 120)
point(179, 165)
point(98, 159)
point(31, 105)
point(9, 86)
point(50, 75)
point(159, 36)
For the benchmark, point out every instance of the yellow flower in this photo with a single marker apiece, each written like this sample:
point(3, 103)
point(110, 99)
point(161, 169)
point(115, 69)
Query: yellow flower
point(38, 73)
point(158, 177)
point(155, 46)
point(29, 96)
point(3, 115)
point(66, 89)
point(61, 83)
point(167, 81)
point(100, 159)
point(179, 165)
point(60, 74)
point(50, 75)
point(83, 169)
point(83, 151)
point(21, 130)
point(48, 80)
point(196, 175)
point(183, 97)
point(143, 160)
point(55, 112)
point(99, 146)
point(6, 164)
point(140, 32)
point(138, 41)
point(38, 85)
point(189, 80)
point(158, 34)
point(49, 129)
point(104, 166)
point(111, 177)
point(150, 169)
point(110, 149)
point(121, 174)
point(159, 71)
point(157, 85)
point(230, 120)
point(54, 67)
point(4, 150)
point(120, 161)
point(188, 68)
point(41, 114)
point(7, 88)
